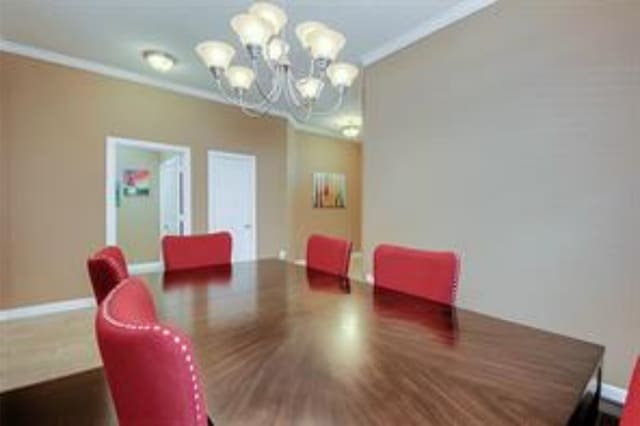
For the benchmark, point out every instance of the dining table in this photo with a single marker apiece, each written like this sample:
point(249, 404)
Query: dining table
point(279, 344)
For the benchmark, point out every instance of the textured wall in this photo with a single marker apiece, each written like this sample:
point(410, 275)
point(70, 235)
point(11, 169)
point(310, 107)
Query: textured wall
point(55, 121)
point(513, 137)
point(310, 153)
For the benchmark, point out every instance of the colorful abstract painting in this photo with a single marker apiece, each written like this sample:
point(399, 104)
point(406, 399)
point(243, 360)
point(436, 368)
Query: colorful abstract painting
point(329, 191)
point(136, 182)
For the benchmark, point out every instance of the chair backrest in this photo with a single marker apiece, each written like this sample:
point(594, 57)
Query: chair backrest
point(427, 274)
point(150, 368)
point(106, 269)
point(196, 251)
point(631, 410)
point(329, 254)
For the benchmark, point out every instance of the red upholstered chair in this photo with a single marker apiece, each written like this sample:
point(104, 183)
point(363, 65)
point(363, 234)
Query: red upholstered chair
point(328, 254)
point(631, 410)
point(427, 274)
point(150, 368)
point(106, 269)
point(196, 251)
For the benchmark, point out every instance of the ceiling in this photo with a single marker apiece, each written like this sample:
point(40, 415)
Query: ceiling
point(115, 32)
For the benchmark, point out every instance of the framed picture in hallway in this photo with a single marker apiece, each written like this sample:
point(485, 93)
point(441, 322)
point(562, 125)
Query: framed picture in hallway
point(329, 191)
point(136, 182)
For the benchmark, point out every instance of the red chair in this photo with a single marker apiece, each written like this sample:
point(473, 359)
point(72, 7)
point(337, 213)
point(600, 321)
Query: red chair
point(196, 251)
point(328, 254)
point(150, 368)
point(631, 410)
point(426, 274)
point(106, 269)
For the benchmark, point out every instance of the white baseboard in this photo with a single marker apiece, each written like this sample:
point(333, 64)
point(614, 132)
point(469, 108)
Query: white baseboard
point(145, 268)
point(303, 262)
point(614, 394)
point(31, 311)
point(46, 309)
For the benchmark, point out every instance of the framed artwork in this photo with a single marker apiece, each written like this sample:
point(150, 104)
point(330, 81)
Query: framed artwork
point(329, 191)
point(136, 182)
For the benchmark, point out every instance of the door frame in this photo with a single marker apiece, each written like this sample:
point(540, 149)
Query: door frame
point(162, 205)
point(211, 156)
point(111, 234)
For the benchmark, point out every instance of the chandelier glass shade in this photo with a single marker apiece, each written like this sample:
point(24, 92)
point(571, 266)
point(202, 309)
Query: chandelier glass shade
point(270, 76)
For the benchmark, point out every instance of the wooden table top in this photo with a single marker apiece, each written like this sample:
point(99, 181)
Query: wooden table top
point(278, 345)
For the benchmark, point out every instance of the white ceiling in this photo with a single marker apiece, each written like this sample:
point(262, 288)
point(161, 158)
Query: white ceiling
point(114, 32)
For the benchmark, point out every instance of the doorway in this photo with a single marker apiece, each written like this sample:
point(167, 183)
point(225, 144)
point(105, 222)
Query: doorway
point(171, 208)
point(232, 200)
point(148, 195)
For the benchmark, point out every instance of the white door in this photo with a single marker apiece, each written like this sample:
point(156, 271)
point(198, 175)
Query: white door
point(171, 214)
point(232, 200)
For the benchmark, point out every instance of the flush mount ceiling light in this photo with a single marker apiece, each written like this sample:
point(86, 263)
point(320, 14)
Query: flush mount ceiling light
point(261, 31)
point(351, 131)
point(159, 61)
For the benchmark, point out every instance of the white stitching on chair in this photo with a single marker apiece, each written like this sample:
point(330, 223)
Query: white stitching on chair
point(165, 332)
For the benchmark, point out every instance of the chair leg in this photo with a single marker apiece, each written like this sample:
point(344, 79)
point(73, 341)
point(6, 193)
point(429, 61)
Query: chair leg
point(209, 421)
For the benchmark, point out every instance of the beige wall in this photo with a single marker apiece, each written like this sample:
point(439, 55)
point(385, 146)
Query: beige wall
point(309, 153)
point(138, 218)
point(514, 138)
point(4, 187)
point(55, 121)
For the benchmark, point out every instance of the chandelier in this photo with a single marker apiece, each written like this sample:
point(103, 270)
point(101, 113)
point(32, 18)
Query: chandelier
point(270, 77)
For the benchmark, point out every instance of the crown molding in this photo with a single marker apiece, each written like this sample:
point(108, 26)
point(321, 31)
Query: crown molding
point(121, 74)
point(449, 17)
point(106, 70)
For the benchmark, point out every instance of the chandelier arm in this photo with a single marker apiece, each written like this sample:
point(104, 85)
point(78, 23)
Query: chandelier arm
point(252, 113)
point(273, 94)
point(255, 108)
point(336, 106)
point(264, 93)
point(306, 109)
point(310, 72)
point(261, 109)
point(231, 98)
point(312, 68)
point(291, 89)
point(299, 119)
